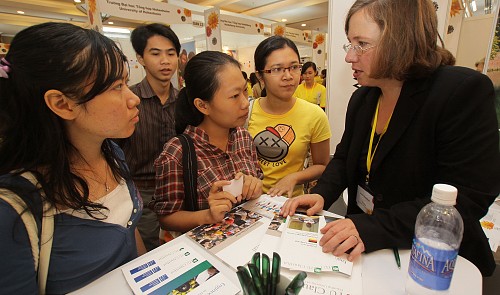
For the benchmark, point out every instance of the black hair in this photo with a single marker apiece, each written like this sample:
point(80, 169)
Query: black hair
point(141, 35)
point(245, 75)
point(266, 47)
point(308, 65)
point(253, 79)
point(81, 64)
point(202, 81)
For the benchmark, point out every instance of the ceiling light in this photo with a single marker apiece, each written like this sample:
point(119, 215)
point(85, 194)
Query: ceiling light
point(110, 23)
point(283, 19)
point(116, 30)
point(303, 25)
point(20, 12)
point(78, 1)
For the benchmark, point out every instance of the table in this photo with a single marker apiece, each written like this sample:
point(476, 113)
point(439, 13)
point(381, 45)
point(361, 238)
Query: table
point(379, 271)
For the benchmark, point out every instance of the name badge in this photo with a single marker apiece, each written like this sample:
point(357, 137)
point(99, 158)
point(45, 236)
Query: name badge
point(364, 199)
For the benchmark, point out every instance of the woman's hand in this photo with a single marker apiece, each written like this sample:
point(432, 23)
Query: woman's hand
point(340, 236)
point(284, 187)
point(220, 202)
point(314, 202)
point(252, 187)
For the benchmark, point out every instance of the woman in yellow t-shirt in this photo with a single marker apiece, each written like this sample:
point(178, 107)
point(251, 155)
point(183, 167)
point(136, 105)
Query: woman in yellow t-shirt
point(285, 128)
point(310, 90)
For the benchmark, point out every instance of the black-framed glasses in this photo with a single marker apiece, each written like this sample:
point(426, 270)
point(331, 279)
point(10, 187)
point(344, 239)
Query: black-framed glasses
point(357, 48)
point(294, 69)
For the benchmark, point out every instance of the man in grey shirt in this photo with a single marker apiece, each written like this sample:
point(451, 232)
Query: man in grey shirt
point(157, 48)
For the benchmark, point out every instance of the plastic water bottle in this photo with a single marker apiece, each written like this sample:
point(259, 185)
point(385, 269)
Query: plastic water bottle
point(438, 233)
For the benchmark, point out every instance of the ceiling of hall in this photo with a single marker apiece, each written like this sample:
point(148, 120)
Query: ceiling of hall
point(311, 12)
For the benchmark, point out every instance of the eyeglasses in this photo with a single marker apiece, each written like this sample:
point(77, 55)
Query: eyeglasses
point(294, 69)
point(357, 48)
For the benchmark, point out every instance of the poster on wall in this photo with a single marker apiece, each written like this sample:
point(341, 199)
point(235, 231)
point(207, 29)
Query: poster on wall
point(442, 15)
point(94, 15)
point(188, 50)
point(4, 48)
point(318, 46)
point(150, 11)
point(451, 36)
point(212, 29)
point(278, 29)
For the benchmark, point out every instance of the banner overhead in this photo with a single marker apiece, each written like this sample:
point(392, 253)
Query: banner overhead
point(240, 25)
point(150, 11)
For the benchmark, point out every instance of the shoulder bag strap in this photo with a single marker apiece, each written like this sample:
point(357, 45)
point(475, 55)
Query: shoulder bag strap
point(40, 246)
point(46, 238)
point(190, 172)
point(28, 219)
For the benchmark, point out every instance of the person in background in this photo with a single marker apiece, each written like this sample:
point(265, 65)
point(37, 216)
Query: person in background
point(256, 86)
point(157, 48)
point(310, 90)
point(249, 85)
point(210, 110)
point(480, 65)
point(323, 76)
point(285, 128)
point(416, 121)
point(55, 130)
point(318, 78)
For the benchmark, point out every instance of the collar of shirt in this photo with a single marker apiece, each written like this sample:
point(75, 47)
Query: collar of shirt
point(200, 136)
point(144, 90)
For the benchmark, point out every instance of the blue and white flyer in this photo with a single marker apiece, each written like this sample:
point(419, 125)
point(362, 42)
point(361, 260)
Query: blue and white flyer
point(179, 269)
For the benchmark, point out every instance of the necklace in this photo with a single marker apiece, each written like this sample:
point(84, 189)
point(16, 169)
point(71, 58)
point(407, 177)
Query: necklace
point(106, 186)
point(97, 178)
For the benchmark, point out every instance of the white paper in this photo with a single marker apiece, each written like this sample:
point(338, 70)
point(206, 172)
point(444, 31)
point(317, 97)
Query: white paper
point(491, 226)
point(177, 269)
point(301, 239)
point(235, 188)
point(332, 283)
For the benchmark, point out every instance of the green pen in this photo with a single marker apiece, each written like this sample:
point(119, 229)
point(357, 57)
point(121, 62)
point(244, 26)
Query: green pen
point(396, 256)
point(246, 281)
point(275, 274)
point(266, 282)
point(241, 278)
point(256, 260)
point(297, 283)
point(257, 280)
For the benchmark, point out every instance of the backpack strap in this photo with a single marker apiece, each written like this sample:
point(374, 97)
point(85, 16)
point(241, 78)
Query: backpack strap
point(190, 172)
point(40, 246)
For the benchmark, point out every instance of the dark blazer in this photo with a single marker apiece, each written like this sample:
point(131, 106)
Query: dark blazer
point(443, 130)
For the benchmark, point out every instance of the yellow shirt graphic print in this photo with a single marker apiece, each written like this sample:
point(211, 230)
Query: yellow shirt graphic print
point(282, 141)
point(275, 143)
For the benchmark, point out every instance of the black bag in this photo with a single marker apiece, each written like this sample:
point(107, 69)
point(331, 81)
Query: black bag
point(190, 173)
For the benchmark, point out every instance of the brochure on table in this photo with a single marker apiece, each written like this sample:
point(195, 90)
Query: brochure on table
point(300, 238)
point(178, 269)
point(242, 229)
